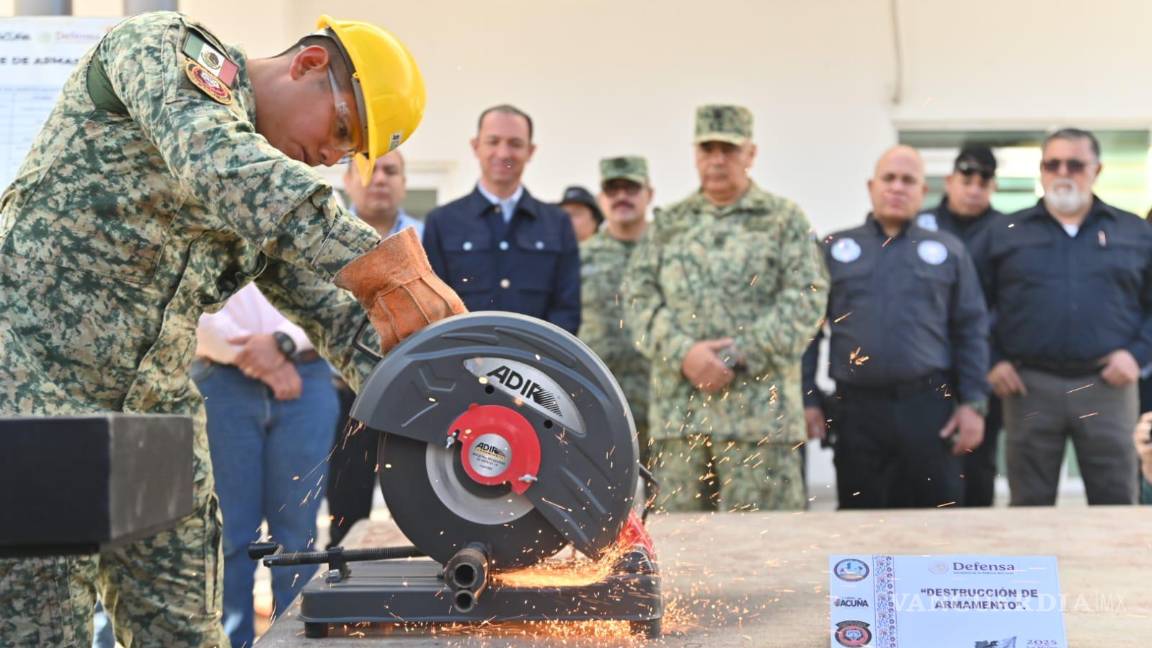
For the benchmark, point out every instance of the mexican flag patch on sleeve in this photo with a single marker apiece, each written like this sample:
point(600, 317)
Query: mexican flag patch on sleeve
point(211, 59)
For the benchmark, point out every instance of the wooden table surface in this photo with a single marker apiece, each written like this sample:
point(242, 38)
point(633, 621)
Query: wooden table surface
point(761, 579)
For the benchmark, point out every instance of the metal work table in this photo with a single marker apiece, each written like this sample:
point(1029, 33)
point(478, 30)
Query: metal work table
point(761, 579)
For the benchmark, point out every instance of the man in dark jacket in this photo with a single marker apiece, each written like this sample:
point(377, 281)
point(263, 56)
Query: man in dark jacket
point(499, 247)
point(966, 211)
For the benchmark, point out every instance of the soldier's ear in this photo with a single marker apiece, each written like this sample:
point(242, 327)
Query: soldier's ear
point(312, 57)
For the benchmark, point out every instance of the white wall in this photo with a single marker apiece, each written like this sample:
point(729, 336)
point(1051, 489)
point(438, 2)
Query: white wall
point(607, 77)
point(1029, 63)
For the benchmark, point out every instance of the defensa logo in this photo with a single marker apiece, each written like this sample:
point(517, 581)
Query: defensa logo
point(526, 387)
point(982, 568)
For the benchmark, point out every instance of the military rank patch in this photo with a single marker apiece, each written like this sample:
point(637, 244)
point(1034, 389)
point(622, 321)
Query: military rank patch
point(197, 48)
point(207, 82)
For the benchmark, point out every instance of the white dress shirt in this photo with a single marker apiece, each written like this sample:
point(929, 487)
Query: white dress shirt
point(507, 205)
point(247, 312)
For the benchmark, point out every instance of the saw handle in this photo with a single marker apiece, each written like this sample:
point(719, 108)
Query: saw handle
point(337, 558)
point(358, 341)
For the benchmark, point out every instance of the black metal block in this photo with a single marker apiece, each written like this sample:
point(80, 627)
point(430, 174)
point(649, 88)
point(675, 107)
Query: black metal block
point(74, 484)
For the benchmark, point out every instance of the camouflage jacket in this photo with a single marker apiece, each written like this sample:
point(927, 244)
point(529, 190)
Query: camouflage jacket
point(121, 229)
point(750, 271)
point(603, 260)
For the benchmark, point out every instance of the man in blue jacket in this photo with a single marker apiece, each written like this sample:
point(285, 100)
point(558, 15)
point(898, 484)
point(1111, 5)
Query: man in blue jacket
point(499, 247)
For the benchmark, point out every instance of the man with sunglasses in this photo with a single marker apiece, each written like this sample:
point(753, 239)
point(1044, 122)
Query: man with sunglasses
point(966, 211)
point(173, 171)
point(722, 296)
point(1070, 285)
point(625, 192)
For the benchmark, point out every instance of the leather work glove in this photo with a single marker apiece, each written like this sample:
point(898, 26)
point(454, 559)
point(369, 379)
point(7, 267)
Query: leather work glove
point(397, 287)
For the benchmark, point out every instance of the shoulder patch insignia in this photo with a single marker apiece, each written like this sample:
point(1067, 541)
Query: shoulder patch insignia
point(927, 221)
point(207, 82)
point(197, 48)
point(932, 252)
point(846, 250)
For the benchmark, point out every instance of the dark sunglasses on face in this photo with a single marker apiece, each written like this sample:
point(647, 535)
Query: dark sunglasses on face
point(1074, 166)
point(968, 172)
point(969, 168)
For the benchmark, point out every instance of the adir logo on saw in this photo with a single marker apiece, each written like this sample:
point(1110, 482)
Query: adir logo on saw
point(527, 388)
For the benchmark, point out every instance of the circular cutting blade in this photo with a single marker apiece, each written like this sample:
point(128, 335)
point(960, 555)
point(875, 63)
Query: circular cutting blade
point(581, 491)
point(441, 511)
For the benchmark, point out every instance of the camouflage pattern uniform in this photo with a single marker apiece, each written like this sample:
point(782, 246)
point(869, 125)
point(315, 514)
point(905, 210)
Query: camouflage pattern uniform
point(749, 271)
point(121, 228)
point(603, 260)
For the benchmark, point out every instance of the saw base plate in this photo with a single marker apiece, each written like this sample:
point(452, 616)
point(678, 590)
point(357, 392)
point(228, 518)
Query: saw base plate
point(413, 593)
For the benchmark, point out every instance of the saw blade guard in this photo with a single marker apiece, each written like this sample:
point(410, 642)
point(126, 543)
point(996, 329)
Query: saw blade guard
point(517, 415)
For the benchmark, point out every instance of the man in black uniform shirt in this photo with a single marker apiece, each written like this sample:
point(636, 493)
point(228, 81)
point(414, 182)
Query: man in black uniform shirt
point(908, 350)
point(966, 211)
point(1070, 285)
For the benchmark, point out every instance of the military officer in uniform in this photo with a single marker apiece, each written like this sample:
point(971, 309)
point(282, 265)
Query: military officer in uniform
point(173, 171)
point(723, 295)
point(966, 211)
point(908, 350)
point(626, 194)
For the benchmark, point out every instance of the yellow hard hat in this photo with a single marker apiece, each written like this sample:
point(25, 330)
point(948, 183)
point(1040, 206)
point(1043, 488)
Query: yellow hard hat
point(388, 86)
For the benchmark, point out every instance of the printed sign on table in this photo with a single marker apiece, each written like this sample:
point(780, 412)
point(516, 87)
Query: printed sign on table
point(945, 602)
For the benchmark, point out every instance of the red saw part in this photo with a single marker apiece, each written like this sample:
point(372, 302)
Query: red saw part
point(497, 446)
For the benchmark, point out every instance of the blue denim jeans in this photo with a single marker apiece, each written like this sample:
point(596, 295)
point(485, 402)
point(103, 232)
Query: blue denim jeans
point(270, 459)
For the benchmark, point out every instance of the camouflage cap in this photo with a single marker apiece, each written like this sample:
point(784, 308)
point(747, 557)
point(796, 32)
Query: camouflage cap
point(625, 167)
point(723, 123)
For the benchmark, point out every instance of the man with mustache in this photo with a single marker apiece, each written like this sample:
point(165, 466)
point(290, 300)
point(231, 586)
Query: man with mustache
point(1070, 284)
point(499, 247)
point(722, 297)
point(625, 192)
point(908, 350)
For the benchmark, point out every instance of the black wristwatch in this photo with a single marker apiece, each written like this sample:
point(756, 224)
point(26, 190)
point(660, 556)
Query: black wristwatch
point(285, 344)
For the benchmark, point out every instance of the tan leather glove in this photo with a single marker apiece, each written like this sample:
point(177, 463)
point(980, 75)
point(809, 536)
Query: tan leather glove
point(398, 288)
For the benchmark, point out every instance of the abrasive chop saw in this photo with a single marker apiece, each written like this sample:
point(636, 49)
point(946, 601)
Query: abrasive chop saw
point(504, 439)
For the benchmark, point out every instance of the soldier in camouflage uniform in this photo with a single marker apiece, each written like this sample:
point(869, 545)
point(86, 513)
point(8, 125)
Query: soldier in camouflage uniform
point(158, 188)
point(626, 194)
point(724, 295)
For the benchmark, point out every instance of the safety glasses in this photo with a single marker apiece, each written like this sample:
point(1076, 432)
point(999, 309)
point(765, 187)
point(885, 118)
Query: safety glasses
point(345, 135)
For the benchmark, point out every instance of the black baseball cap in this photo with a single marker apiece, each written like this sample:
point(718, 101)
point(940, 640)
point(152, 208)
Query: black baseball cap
point(581, 196)
point(976, 158)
